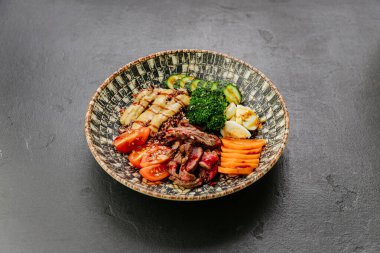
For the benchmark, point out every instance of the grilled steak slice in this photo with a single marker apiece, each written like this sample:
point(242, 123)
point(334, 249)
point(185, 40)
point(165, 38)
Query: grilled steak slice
point(176, 145)
point(174, 164)
point(186, 176)
point(193, 134)
point(187, 184)
point(208, 174)
point(209, 158)
point(185, 150)
point(192, 161)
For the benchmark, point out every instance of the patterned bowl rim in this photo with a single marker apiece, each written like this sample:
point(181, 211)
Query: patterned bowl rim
point(151, 193)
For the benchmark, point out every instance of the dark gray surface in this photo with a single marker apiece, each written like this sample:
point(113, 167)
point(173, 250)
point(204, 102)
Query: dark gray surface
point(322, 196)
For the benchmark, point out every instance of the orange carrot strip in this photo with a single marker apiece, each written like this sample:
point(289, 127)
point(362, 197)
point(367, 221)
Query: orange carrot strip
point(232, 145)
point(236, 140)
point(240, 151)
point(244, 161)
point(240, 156)
point(235, 171)
point(235, 165)
point(243, 144)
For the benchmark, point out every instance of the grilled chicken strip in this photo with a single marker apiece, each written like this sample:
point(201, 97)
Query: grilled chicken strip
point(152, 107)
point(171, 108)
point(143, 99)
point(157, 106)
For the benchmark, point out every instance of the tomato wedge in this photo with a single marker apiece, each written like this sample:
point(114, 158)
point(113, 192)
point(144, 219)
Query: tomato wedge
point(136, 156)
point(131, 139)
point(154, 172)
point(156, 155)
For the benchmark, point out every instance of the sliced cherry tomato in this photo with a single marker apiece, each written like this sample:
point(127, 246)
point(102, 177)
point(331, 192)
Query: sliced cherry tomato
point(156, 155)
point(131, 139)
point(154, 172)
point(136, 156)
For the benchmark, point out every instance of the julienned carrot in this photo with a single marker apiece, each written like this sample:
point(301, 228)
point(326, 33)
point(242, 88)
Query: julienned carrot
point(236, 165)
point(243, 161)
point(232, 145)
point(240, 156)
point(235, 171)
point(241, 151)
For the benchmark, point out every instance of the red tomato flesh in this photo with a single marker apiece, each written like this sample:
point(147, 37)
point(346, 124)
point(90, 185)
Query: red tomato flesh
point(131, 139)
point(136, 156)
point(154, 172)
point(156, 155)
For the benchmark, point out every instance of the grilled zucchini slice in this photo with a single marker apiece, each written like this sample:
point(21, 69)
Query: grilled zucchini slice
point(214, 85)
point(172, 80)
point(194, 84)
point(232, 93)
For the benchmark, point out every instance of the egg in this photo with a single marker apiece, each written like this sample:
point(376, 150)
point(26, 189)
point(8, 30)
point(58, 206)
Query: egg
point(230, 111)
point(246, 117)
point(234, 130)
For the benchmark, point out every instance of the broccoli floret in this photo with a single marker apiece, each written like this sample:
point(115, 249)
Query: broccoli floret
point(216, 123)
point(207, 109)
point(198, 117)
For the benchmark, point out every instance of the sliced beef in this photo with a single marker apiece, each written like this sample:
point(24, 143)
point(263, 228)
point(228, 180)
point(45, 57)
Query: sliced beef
point(212, 172)
point(192, 134)
point(190, 166)
point(186, 176)
point(192, 161)
point(176, 145)
point(209, 158)
point(185, 150)
point(187, 184)
point(208, 174)
point(175, 164)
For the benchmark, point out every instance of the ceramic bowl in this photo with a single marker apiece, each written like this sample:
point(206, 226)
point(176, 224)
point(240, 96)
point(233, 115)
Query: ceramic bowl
point(259, 93)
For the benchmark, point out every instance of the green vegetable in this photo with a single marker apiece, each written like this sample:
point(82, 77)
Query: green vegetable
point(214, 85)
point(232, 93)
point(207, 108)
point(216, 122)
point(222, 85)
point(205, 84)
point(194, 84)
point(183, 81)
point(190, 87)
point(171, 81)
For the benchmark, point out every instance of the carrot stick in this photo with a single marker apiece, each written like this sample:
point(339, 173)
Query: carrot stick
point(237, 171)
point(232, 145)
point(235, 165)
point(243, 140)
point(243, 161)
point(241, 151)
point(240, 156)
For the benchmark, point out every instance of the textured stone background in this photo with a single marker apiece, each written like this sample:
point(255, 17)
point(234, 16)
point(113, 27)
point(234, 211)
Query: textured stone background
point(322, 196)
